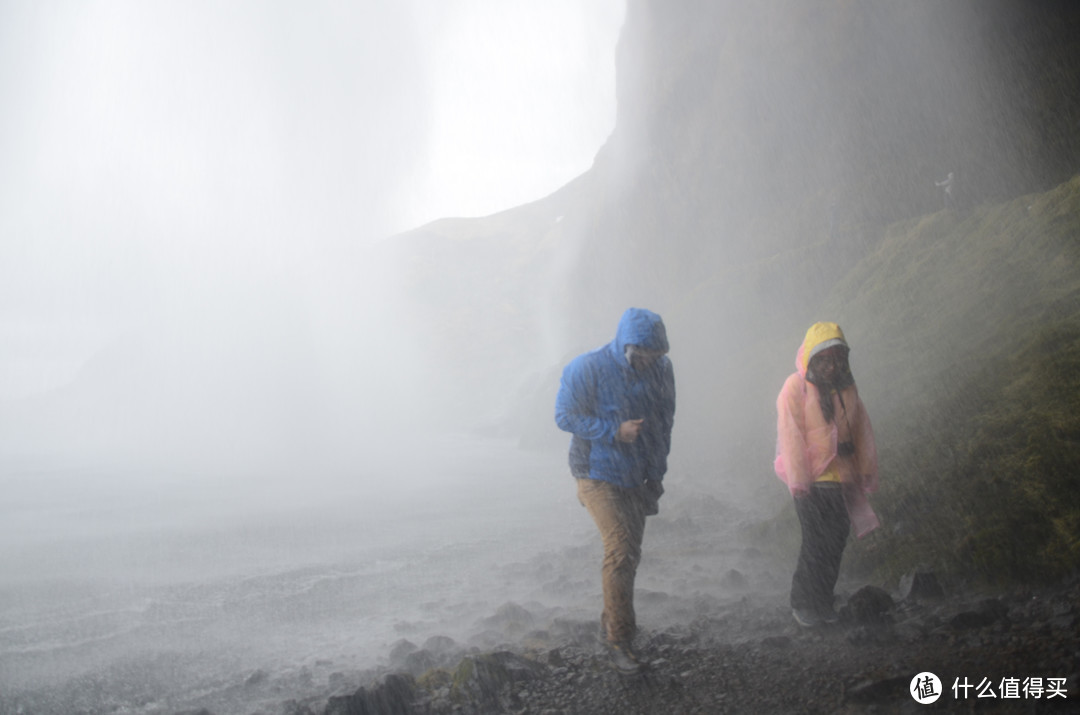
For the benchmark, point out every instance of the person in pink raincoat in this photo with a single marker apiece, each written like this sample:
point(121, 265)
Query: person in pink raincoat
point(825, 454)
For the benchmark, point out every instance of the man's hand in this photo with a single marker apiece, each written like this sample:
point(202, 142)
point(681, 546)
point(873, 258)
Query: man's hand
point(651, 491)
point(629, 430)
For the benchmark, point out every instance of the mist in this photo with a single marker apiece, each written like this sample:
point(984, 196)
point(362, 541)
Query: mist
point(211, 369)
point(285, 295)
point(195, 200)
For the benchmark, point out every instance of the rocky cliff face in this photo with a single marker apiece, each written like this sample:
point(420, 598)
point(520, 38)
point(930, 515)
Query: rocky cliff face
point(744, 131)
point(759, 151)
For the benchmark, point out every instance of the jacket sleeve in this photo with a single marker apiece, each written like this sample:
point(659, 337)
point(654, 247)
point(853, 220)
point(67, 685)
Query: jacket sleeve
point(791, 450)
point(667, 408)
point(866, 451)
point(656, 437)
point(575, 405)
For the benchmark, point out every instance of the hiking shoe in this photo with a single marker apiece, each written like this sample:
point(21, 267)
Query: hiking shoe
point(623, 658)
point(806, 618)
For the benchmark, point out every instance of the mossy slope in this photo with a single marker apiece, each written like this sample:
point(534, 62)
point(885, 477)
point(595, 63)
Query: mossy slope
point(972, 328)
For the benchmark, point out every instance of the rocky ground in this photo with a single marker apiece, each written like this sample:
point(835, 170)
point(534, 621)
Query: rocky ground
point(716, 634)
point(1019, 652)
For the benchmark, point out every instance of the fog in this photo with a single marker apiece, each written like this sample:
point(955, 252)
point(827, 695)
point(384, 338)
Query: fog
point(285, 292)
point(209, 372)
point(193, 199)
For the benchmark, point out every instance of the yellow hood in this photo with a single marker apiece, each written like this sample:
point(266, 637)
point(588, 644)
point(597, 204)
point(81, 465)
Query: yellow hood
point(819, 337)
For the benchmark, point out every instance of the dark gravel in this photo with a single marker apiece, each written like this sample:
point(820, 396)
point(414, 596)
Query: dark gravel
point(746, 656)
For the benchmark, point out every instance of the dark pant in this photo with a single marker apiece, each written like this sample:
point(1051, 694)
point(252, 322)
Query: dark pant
point(825, 526)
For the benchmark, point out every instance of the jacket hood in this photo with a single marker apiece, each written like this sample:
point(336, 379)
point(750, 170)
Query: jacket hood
point(819, 337)
point(641, 327)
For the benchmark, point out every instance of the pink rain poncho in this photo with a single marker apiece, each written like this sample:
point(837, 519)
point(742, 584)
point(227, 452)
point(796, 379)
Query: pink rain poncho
point(806, 445)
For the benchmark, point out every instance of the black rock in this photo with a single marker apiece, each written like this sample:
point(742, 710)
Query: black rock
point(420, 661)
point(987, 612)
point(919, 584)
point(994, 608)
point(400, 650)
point(510, 618)
point(394, 696)
point(870, 605)
point(481, 679)
point(441, 645)
point(555, 657)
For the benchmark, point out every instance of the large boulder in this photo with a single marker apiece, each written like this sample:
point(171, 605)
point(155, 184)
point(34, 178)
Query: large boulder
point(486, 678)
point(919, 584)
point(393, 696)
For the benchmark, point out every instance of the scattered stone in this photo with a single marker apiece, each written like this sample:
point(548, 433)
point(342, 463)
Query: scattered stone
point(400, 649)
point(510, 618)
point(742, 656)
point(486, 639)
point(869, 605)
point(434, 679)
point(911, 630)
point(394, 696)
point(482, 678)
point(420, 661)
point(986, 613)
point(920, 584)
point(555, 657)
point(257, 678)
point(440, 645)
point(994, 607)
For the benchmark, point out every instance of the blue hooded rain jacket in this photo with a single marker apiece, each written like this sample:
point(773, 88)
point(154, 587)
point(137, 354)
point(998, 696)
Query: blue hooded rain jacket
point(600, 390)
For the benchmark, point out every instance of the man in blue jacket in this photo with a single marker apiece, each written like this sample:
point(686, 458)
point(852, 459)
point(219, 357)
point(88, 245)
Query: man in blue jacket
point(619, 403)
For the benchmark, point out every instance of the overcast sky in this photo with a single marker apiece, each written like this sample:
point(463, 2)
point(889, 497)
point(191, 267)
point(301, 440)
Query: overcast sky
point(154, 150)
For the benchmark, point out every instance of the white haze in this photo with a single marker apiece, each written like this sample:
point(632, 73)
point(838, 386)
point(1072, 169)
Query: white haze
point(188, 194)
point(218, 445)
point(205, 373)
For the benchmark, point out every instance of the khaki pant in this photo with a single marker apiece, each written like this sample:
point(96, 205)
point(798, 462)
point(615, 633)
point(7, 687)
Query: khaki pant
point(620, 517)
